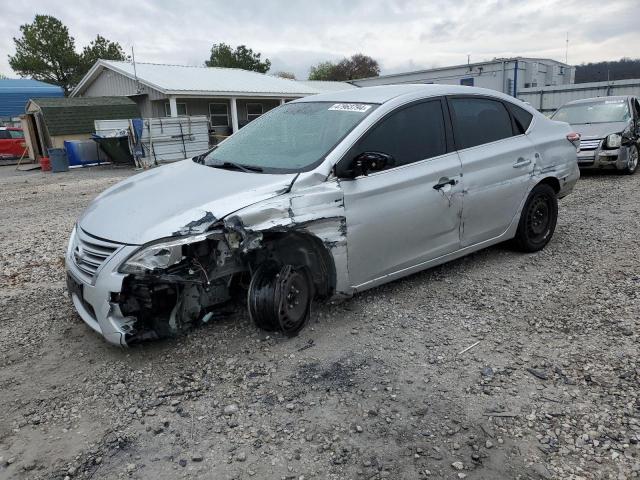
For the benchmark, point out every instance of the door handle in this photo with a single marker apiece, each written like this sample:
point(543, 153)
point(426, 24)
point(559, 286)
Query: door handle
point(522, 162)
point(443, 182)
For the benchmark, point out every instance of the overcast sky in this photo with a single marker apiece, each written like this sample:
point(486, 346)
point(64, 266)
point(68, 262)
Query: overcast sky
point(401, 34)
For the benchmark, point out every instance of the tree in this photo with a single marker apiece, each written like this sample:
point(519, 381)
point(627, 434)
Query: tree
point(287, 75)
point(46, 52)
point(322, 71)
point(100, 48)
point(358, 66)
point(222, 55)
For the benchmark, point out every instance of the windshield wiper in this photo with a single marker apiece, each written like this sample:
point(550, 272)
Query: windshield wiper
point(237, 166)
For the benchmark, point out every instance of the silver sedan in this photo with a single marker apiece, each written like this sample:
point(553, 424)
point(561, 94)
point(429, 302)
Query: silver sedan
point(322, 197)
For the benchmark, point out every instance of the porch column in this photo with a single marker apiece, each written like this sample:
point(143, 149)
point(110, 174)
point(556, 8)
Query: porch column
point(234, 115)
point(282, 101)
point(173, 106)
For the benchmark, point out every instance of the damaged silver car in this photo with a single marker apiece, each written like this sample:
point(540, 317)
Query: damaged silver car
point(609, 129)
point(322, 197)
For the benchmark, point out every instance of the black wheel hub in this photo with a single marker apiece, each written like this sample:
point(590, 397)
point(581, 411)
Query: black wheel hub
point(280, 298)
point(539, 218)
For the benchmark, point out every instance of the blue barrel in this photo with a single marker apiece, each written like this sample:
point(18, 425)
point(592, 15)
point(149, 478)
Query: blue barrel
point(59, 160)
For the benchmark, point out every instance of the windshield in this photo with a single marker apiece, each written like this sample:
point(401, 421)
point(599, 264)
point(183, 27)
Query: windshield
point(596, 112)
point(292, 138)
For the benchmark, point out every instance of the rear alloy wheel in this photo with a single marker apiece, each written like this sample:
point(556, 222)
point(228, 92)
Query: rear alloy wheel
point(538, 219)
point(632, 160)
point(280, 298)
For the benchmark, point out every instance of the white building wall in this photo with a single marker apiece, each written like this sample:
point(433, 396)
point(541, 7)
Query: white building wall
point(496, 75)
point(549, 99)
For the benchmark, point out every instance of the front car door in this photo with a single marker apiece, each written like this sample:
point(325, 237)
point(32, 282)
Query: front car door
point(395, 217)
point(497, 164)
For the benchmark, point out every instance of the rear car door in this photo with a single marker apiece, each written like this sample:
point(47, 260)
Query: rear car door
point(497, 164)
point(395, 217)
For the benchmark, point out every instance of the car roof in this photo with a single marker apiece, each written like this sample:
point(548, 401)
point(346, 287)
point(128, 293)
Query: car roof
point(600, 99)
point(384, 93)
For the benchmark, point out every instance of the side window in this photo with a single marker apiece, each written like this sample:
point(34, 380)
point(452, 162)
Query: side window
point(522, 118)
point(4, 134)
point(479, 120)
point(411, 134)
point(16, 133)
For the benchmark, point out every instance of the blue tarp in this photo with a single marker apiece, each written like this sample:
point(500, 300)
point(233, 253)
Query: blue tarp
point(15, 93)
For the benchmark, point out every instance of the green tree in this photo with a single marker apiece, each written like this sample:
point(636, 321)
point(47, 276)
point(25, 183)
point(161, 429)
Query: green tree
point(46, 52)
point(222, 55)
point(100, 48)
point(287, 75)
point(358, 66)
point(322, 71)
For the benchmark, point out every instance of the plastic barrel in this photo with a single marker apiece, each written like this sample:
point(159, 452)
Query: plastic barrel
point(59, 160)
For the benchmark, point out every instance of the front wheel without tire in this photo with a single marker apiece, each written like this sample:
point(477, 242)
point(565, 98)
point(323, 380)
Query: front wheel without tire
point(280, 298)
point(632, 160)
point(537, 220)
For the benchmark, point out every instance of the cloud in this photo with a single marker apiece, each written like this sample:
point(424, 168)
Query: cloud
point(400, 34)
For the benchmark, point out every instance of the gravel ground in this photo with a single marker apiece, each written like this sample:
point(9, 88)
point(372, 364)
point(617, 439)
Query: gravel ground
point(376, 387)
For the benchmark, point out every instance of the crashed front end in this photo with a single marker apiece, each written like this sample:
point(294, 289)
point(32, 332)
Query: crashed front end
point(132, 293)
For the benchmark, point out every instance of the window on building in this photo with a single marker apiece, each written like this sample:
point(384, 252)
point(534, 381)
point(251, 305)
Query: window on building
point(410, 134)
point(254, 110)
point(219, 114)
point(479, 120)
point(181, 107)
point(467, 82)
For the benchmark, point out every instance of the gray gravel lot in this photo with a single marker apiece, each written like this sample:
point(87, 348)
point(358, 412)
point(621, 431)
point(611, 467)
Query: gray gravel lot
point(374, 388)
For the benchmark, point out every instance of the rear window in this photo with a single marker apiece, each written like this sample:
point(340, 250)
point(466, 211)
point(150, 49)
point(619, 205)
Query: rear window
point(478, 121)
point(521, 117)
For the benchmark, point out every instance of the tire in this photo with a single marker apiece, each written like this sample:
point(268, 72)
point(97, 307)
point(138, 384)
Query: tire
point(632, 161)
point(537, 220)
point(280, 297)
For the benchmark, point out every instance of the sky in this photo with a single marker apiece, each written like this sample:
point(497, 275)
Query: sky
point(402, 35)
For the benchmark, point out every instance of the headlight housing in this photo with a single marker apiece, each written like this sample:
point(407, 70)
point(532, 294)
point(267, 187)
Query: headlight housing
point(72, 241)
point(614, 140)
point(158, 255)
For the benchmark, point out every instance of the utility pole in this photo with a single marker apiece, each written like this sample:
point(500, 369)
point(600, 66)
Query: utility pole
point(135, 73)
point(566, 50)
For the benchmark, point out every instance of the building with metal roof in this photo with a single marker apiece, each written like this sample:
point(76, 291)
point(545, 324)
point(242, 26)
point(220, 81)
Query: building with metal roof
point(50, 121)
point(506, 75)
point(15, 93)
point(230, 97)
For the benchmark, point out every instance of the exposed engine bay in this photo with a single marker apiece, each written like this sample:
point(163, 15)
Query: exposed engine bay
point(278, 273)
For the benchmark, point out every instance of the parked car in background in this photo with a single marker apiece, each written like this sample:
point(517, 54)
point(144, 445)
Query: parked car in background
point(12, 144)
point(324, 196)
point(609, 128)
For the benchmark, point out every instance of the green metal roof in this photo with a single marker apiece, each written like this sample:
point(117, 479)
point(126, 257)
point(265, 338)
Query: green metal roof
point(69, 116)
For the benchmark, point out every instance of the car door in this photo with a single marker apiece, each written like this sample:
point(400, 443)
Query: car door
point(6, 144)
point(395, 218)
point(497, 165)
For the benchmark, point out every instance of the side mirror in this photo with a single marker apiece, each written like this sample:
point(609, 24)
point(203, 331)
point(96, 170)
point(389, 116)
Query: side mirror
point(367, 162)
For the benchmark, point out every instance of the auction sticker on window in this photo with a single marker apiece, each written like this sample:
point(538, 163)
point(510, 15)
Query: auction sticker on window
point(350, 107)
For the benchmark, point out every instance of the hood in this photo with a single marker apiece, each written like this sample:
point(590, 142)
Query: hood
point(173, 199)
point(598, 130)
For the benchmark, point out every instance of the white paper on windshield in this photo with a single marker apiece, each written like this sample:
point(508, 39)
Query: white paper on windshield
point(350, 107)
